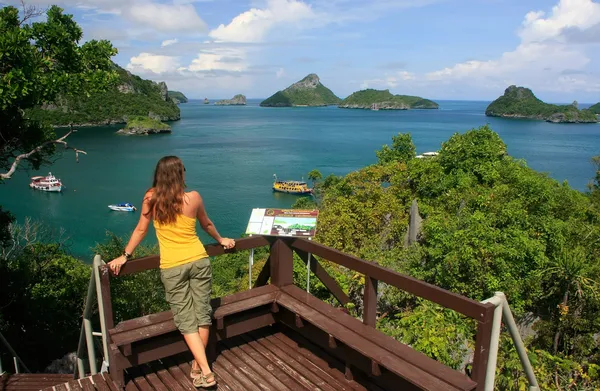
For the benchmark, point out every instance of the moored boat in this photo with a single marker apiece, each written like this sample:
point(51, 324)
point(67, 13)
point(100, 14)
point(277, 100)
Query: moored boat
point(46, 183)
point(291, 187)
point(124, 207)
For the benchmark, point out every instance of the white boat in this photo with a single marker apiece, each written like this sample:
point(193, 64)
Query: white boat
point(46, 183)
point(427, 154)
point(125, 207)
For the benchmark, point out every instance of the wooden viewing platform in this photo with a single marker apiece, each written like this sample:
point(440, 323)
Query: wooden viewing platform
point(277, 336)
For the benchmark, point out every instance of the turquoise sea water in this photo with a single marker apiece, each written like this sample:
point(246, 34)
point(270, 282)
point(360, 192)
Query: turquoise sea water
point(231, 154)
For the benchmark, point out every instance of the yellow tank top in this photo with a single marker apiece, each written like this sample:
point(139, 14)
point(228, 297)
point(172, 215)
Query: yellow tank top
point(178, 242)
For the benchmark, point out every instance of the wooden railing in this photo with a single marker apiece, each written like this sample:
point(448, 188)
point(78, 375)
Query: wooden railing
point(279, 269)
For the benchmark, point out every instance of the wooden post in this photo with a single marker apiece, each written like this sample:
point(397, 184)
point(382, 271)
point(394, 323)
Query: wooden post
point(482, 347)
point(370, 302)
point(281, 263)
point(115, 372)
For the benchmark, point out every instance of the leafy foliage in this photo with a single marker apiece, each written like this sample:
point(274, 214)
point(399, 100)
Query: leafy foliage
point(520, 102)
point(595, 108)
point(41, 61)
point(385, 100)
point(139, 98)
point(402, 150)
point(490, 224)
point(145, 123)
point(307, 92)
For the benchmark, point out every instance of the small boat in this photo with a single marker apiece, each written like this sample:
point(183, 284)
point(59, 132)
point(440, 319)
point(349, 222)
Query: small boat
point(46, 183)
point(374, 107)
point(427, 154)
point(125, 207)
point(291, 187)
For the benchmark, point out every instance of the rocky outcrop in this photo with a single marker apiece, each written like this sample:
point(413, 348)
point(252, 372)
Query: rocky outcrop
point(520, 102)
point(177, 97)
point(206, 101)
point(144, 126)
point(163, 90)
point(306, 92)
point(371, 99)
point(238, 100)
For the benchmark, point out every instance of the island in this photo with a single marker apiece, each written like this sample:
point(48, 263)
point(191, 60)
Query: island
point(308, 92)
point(238, 100)
point(177, 97)
point(131, 96)
point(138, 125)
point(371, 99)
point(595, 109)
point(520, 102)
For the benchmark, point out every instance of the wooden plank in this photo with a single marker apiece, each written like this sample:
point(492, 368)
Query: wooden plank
point(246, 304)
point(464, 305)
point(276, 361)
point(153, 379)
point(482, 347)
point(74, 385)
point(239, 375)
point(246, 321)
point(238, 357)
point(313, 363)
point(299, 364)
point(106, 297)
point(86, 384)
point(282, 264)
point(274, 370)
point(182, 379)
point(100, 383)
point(216, 303)
point(264, 275)
point(411, 365)
point(256, 379)
point(370, 302)
point(61, 387)
point(324, 277)
point(228, 378)
point(153, 262)
point(109, 382)
point(406, 353)
point(318, 356)
point(165, 378)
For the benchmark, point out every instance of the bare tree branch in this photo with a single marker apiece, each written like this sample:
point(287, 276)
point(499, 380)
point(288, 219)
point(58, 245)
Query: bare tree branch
point(37, 149)
point(29, 12)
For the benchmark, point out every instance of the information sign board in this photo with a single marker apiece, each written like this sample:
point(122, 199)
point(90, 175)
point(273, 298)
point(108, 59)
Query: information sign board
point(283, 222)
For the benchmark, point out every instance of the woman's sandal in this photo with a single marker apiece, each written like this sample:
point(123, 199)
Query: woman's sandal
point(205, 381)
point(195, 373)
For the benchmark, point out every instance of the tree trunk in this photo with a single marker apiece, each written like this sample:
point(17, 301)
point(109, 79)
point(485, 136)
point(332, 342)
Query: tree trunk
point(557, 335)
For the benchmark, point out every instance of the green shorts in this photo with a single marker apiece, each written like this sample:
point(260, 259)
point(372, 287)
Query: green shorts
point(187, 290)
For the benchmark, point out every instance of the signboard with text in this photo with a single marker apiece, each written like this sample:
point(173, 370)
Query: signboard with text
point(283, 222)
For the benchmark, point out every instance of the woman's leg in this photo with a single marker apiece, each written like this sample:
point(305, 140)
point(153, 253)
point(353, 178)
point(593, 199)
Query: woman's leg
point(201, 287)
point(196, 346)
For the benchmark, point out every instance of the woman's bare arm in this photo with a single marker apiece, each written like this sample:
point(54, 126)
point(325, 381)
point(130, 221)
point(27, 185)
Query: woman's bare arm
point(208, 226)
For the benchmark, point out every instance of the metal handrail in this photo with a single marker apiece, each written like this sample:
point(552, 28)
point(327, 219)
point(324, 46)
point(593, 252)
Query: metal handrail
point(503, 312)
point(16, 358)
point(86, 336)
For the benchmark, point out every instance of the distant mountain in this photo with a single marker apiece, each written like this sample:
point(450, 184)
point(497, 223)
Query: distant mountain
point(371, 99)
point(238, 100)
point(520, 102)
point(595, 108)
point(132, 96)
point(307, 92)
point(177, 97)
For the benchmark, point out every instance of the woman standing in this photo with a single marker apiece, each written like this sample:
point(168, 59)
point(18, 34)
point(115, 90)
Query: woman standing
point(185, 268)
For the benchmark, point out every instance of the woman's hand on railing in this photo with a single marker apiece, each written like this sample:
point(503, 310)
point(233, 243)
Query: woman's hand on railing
point(115, 264)
point(227, 243)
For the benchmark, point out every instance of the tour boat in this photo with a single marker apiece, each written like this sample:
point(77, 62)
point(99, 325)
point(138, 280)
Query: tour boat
point(427, 154)
point(125, 207)
point(46, 183)
point(291, 187)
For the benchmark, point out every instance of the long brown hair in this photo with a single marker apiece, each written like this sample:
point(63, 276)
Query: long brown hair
point(169, 189)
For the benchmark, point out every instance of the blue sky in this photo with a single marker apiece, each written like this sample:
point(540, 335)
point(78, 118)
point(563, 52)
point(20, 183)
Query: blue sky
point(439, 49)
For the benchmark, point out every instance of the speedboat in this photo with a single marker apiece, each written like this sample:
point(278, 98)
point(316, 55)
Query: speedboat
point(46, 183)
point(125, 207)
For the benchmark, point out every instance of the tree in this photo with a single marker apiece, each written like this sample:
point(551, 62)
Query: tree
point(42, 62)
point(315, 175)
point(402, 150)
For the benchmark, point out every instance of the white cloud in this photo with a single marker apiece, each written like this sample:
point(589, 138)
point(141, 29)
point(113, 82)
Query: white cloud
point(390, 80)
point(220, 59)
point(153, 62)
point(541, 57)
point(167, 17)
point(280, 73)
point(168, 42)
point(254, 24)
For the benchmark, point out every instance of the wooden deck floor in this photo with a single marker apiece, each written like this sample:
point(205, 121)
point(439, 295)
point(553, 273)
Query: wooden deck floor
point(268, 359)
point(31, 381)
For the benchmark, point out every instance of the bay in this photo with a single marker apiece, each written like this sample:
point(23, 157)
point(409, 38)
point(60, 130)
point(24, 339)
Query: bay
point(232, 152)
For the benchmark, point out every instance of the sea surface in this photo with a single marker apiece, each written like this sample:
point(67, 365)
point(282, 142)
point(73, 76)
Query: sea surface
point(232, 152)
